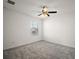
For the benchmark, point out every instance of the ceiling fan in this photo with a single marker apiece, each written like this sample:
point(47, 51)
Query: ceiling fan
point(45, 11)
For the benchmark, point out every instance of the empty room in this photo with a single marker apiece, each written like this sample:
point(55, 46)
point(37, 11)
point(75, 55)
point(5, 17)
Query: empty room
point(38, 29)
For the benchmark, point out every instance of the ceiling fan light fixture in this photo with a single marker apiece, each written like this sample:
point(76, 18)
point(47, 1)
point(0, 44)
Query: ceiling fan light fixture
point(45, 9)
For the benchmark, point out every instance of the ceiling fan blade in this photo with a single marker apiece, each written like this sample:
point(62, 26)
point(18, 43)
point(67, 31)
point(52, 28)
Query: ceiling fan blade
point(48, 14)
point(39, 14)
point(52, 11)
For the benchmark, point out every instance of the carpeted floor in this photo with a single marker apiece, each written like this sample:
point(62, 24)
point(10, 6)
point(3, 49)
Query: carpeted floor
point(40, 50)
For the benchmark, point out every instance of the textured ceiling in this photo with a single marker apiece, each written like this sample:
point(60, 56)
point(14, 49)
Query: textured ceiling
point(33, 7)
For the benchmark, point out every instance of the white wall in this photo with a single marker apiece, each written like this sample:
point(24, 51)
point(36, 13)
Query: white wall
point(17, 29)
point(60, 29)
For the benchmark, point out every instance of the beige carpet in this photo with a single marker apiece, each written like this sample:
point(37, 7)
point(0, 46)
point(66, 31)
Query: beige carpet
point(40, 50)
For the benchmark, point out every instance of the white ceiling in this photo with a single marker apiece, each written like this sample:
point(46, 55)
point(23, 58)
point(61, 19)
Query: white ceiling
point(33, 7)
